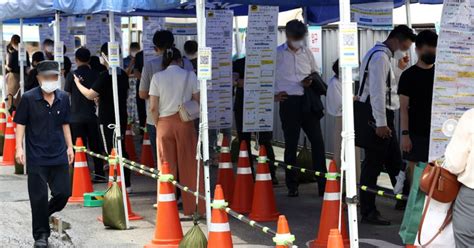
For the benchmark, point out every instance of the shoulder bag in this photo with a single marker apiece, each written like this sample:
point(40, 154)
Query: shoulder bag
point(439, 184)
point(189, 110)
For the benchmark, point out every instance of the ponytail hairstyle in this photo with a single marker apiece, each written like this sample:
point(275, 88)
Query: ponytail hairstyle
point(171, 55)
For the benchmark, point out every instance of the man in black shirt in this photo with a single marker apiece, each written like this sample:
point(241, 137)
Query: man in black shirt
point(416, 93)
point(102, 88)
point(83, 119)
point(32, 80)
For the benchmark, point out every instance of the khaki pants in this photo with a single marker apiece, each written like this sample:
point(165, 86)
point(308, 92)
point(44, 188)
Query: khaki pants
point(176, 144)
point(337, 147)
point(13, 87)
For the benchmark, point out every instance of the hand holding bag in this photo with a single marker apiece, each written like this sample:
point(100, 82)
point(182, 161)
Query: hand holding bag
point(188, 110)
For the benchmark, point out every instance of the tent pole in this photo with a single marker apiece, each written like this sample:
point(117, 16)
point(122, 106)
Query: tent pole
point(4, 71)
point(408, 12)
point(348, 140)
point(57, 37)
point(201, 30)
point(117, 119)
point(22, 63)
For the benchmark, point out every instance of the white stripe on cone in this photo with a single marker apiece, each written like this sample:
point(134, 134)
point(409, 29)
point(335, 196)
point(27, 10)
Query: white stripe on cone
point(9, 136)
point(225, 165)
point(219, 227)
point(244, 171)
point(9, 124)
point(80, 164)
point(243, 154)
point(166, 197)
point(3, 120)
point(146, 142)
point(128, 132)
point(263, 177)
point(331, 196)
point(225, 149)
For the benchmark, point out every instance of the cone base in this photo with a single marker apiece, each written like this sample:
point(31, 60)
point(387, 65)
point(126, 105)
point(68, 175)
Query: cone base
point(7, 163)
point(324, 243)
point(171, 243)
point(78, 199)
point(137, 217)
point(264, 218)
point(134, 216)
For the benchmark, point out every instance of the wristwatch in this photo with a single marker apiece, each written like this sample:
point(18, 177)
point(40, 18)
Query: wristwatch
point(405, 132)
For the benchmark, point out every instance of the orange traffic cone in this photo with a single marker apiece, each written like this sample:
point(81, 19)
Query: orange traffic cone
point(168, 231)
point(3, 126)
point(225, 174)
point(330, 211)
point(263, 205)
point(243, 188)
point(410, 246)
point(81, 179)
point(129, 145)
point(9, 144)
point(283, 237)
point(113, 164)
point(219, 231)
point(147, 156)
point(335, 239)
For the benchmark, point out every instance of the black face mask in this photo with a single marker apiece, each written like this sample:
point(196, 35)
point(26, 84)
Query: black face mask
point(428, 58)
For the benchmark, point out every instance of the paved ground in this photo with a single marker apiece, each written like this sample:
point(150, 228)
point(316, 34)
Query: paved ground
point(303, 214)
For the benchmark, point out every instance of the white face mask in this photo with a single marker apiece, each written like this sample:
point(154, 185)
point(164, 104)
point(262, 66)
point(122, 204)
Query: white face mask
point(133, 54)
point(102, 60)
point(49, 49)
point(297, 44)
point(50, 86)
point(399, 54)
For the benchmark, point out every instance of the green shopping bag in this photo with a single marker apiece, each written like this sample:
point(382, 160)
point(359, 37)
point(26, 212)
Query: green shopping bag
point(113, 211)
point(414, 209)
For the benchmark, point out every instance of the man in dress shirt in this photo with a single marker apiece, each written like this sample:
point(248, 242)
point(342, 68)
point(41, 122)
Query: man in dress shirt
point(295, 63)
point(381, 91)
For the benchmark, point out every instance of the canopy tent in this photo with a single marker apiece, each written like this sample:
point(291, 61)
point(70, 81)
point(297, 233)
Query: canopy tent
point(14, 9)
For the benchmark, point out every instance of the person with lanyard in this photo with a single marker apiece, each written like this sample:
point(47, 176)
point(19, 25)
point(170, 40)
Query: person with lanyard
point(102, 89)
point(42, 119)
point(380, 89)
point(295, 65)
point(83, 118)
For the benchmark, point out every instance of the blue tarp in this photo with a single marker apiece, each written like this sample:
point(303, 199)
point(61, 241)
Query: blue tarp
point(14, 9)
point(120, 6)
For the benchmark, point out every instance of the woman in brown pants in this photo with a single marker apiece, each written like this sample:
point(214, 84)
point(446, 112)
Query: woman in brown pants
point(176, 140)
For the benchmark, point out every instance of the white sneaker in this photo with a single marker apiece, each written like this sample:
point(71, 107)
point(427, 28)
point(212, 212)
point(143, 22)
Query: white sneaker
point(398, 188)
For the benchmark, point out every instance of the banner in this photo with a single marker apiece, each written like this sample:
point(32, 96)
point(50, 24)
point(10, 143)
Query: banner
point(315, 38)
point(151, 24)
point(453, 91)
point(219, 38)
point(260, 66)
point(97, 32)
point(373, 15)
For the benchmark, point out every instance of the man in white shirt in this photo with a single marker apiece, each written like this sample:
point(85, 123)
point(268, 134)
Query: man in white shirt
point(162, 40)
point(380, 89)
point(295, 63)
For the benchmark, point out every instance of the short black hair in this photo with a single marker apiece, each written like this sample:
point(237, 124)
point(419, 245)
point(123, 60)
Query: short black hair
point(426, 37)
point(402, 33)
point(191, 47)
point(67, 65)
point(48, 42)
point(83, 54)
point(38, 56)
point(163, 39)
point(15, 39)
point(135, 45)
point(335, 67)
point(296, 29)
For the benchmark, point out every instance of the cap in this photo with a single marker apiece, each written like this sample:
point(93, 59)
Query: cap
point(48, 67)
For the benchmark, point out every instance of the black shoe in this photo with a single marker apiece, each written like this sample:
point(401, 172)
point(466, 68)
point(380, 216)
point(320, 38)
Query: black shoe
point(400, 205)
point(293, 193)
point(375, 218)
point(274, 181)
point(42, 242)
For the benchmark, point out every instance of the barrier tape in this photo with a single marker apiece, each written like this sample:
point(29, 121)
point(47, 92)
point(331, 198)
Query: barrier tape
point(153, 173)
point(384, 193)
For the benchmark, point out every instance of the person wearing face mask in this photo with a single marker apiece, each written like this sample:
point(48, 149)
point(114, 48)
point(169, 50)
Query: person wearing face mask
point(379, 87)
point(191, 49)
point(42, 119)
point(129, 61)
point(294, 66)
point(102, 88)
point(48, 49)
point(162, 40)
point(416, 93)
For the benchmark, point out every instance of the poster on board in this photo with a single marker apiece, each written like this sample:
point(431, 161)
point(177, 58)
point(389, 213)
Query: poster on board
point(151, 24)
point(377, 16)
point(315, 44)
point(97, 31)
point(259, 82)
point(219, 38)
point(453, 92)
point(181, 28)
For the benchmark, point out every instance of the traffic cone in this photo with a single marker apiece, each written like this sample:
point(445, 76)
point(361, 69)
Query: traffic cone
point(225, 174)
point(147, 156)
point(129, 145)
point(168, 231)
point(9, 144)
point(330, 211)
point(335, 239)
point(243, 188)
point(113, 163)
point(263, 205)
point(3, 126)
point(283, 237)
point(219, 231)
point(81, 176)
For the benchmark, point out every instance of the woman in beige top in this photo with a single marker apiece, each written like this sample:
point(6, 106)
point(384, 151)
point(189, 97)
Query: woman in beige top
point(460, 161)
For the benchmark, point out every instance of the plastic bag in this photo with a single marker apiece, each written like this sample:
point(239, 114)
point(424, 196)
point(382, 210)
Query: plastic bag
point(194, 238)
point(113, 212)
point(434, 219)
point(305, 160)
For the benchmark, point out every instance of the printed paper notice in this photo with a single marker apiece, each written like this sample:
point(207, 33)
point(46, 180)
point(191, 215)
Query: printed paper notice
point(219, 39)
point(151, 24)
point(260, 65)
point(373, 15)
point(453, 91)
point(315, 45)
point(348, 50)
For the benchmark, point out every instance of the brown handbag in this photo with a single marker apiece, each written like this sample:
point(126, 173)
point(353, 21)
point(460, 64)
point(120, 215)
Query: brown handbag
point(439, 184)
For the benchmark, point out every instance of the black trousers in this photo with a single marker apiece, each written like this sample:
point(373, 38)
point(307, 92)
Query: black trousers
point(387, 155)
point(141, 108)
point(89, 132)
point(39, 177)
point(294, 116)
point(264, 138)
point(108, 137)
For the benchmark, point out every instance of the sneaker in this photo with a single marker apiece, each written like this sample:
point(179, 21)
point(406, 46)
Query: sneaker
point(129, 190)
point(293, 193)
point(398, 188)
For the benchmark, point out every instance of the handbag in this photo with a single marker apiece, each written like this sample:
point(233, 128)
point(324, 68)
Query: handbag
point(188, 110)
point(364, 122)
point(439, 184)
